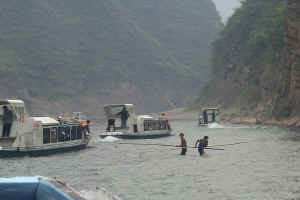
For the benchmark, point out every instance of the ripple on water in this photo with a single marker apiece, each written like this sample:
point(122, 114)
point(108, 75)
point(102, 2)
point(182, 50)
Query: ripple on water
point(265, 168)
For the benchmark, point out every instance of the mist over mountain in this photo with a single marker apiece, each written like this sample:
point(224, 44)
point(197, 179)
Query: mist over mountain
point(226, 8)
point(74, 55)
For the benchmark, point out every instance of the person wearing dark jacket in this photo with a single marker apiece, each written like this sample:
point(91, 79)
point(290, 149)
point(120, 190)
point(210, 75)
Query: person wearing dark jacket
point(201, 144)
point(7, 120)
point(183, 144)
point(205, 138)
point(124, 116)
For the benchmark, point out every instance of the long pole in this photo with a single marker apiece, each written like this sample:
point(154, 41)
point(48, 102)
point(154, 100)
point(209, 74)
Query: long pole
point(164, 145)
point(222, 145)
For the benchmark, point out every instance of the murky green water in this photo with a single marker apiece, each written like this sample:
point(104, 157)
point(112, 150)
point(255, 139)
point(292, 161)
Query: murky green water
point(267, 167)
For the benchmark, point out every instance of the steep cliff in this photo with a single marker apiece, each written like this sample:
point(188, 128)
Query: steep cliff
point(255, 62)
point(63, 55)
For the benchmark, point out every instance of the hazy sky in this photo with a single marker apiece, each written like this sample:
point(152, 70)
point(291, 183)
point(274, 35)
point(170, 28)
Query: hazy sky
point(226, 7)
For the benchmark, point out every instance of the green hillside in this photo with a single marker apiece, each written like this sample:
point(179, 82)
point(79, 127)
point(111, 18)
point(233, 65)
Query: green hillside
point(247, 59)
point(68, 54)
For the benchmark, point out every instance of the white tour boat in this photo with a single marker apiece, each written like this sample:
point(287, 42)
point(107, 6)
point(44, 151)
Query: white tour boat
point(122, 122)
point(36, 136)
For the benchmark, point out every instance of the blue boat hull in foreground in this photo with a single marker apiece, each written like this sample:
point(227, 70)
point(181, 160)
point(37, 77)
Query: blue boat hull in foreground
point(36, 188)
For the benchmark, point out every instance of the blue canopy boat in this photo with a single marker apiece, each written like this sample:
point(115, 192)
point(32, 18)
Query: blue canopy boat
point(36, 188)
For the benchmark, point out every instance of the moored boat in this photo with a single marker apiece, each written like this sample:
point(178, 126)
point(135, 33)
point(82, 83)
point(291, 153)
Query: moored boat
point(35, 136)
point(208, 116)
point(135, 126)
point(36, 188)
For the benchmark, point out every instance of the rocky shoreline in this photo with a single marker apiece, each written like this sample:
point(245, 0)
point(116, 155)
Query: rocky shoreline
point(227, 116)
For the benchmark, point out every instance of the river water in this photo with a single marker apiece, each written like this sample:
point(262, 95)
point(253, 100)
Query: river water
point(267, 167)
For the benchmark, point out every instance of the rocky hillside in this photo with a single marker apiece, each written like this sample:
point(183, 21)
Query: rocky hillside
point(255, 62)
point(63, 55)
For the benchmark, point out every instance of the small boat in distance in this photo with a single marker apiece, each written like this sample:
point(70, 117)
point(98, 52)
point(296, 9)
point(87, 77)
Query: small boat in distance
point(36, 136)
point(36, 188)
point(122, 122)
point(207, 116)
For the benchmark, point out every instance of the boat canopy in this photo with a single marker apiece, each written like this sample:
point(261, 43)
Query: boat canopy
point(35, 188)
point(46, 121)
point(112, 110)
point(14, 102)
point(210, 109)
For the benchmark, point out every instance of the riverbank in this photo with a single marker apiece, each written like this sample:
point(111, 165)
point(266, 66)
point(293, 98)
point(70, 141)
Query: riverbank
point(179, 114)
point(232, 117)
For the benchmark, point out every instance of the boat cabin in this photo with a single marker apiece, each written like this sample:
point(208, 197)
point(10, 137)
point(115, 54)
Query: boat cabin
point(208, 115)
point(49, 131)
point(148, 123)
point(36, 132)
point(120, 117)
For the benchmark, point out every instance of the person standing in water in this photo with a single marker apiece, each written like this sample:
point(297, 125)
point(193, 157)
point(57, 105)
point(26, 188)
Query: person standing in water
point(183, 144)
point(205, 141)
point(201, 144)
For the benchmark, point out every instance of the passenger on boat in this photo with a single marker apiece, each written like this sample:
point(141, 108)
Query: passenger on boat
point(200, 144)
point(183, 144)
point(111, 123)
point(205, 117)
point(7, 119)
point(86, 127)
point(168, 124)
point(124, 116)
point(213, 117)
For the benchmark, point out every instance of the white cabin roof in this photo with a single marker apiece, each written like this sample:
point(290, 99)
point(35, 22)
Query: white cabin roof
point(145, 117)
point(117, 105)
point(16, 101)
point(46, 120)
point(12, 102)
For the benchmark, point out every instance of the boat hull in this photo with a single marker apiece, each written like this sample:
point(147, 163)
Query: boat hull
point(137, 136)
point(40, 152)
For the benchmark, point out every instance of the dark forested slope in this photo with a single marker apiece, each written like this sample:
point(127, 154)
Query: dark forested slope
point(78, 55)
point(249, 62)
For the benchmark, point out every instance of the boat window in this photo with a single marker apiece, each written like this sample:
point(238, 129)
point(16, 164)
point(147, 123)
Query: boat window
point(46, 135)
point(61, 134)
point(164, 125)
point(146, 125)
point(155, 125)
point(73, 133)
point(79, 132)
point(67, 132)
point(135, 128)
point(53, 132)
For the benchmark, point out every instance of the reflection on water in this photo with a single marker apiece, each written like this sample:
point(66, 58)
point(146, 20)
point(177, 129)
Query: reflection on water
point(267, 167)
